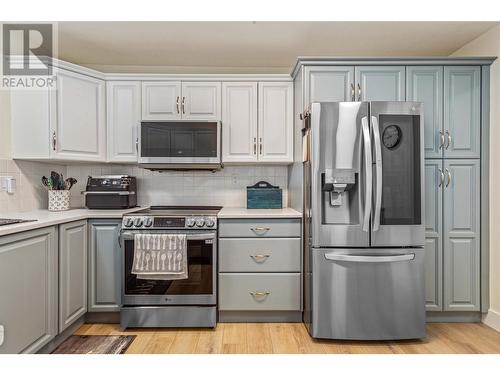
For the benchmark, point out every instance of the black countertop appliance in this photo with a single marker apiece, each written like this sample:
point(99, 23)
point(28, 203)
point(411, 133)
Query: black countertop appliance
point(111, 192)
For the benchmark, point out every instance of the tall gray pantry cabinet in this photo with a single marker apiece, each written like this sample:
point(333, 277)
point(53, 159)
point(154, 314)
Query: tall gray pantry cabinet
point(455, 93)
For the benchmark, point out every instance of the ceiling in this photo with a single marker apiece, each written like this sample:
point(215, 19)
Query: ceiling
point(250, 47)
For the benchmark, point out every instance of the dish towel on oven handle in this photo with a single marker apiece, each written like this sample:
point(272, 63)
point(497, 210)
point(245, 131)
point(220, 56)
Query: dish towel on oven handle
point(160, 256)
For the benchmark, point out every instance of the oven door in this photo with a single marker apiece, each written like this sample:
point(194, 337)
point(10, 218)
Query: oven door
point(179, 142)
point(198, 289)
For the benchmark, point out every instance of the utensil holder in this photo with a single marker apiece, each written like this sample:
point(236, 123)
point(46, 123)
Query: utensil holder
point(59, 200)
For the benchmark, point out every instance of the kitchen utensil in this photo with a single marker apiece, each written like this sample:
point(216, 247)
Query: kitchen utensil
point(69, 182)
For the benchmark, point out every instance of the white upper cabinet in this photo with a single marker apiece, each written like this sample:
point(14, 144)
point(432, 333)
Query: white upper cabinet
point(181, 101)
point(161, 100)
point(123, 118)
point(275, 130)
point(239, 122)
point(201, 101)
point(78, 123)
point(65, 123)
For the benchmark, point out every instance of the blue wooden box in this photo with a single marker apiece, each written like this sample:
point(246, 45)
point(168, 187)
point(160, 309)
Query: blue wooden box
point(264, 195)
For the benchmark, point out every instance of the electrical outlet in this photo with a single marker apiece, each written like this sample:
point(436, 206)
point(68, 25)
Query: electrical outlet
point(8, 184)
point(1, 334)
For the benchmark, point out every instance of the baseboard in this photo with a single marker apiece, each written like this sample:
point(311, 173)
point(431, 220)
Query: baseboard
point(59, 339)
point(103, 317)
point(453, 317)
point(492, 319)
point(260, 316)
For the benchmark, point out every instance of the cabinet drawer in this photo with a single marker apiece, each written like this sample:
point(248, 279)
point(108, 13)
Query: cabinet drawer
point(259, 228)
point(256, 291)
point(259, 255)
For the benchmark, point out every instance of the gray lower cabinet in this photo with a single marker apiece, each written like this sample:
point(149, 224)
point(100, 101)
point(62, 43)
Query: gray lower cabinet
point(28, 290)
point(72, 272)
point(380, 83)
point(452, 243)
point(104, 265)
point(461, 228)
point(434, 180)
point(259, 268)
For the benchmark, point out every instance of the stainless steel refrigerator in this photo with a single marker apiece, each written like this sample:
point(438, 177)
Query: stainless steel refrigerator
point(364, 220)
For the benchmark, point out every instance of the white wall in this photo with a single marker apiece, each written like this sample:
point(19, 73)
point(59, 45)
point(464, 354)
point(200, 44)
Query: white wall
point(488, 44)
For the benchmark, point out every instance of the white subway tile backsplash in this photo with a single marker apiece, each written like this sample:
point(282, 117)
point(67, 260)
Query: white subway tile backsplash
point(226, 187)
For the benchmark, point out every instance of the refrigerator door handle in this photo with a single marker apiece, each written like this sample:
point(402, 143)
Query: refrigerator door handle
point(378, 174)
point(368, 173)
point(369, 258)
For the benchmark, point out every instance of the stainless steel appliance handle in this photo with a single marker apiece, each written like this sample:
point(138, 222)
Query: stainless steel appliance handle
point(369, 258)
point(378, 172)
point(109, 192)
point(368, 173)
point(441, 179)
point(441, 137)
point(193, 236)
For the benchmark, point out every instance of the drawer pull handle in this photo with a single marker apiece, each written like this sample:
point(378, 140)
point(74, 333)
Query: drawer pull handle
point(260, 258)
point(260, 294)
point(260, 230)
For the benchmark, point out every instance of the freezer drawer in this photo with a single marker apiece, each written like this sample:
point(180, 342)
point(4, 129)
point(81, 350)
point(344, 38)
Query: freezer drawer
point(368, 294)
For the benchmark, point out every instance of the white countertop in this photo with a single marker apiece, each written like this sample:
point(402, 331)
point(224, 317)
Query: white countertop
point(245, 213)
point(45, 218)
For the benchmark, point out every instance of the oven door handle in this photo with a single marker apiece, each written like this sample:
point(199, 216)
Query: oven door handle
point(192, 236)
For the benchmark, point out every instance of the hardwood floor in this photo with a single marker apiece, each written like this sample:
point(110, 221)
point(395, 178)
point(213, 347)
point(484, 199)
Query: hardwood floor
point(292, 338)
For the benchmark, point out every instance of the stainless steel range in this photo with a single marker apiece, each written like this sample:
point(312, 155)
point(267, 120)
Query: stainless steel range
point(189, 302)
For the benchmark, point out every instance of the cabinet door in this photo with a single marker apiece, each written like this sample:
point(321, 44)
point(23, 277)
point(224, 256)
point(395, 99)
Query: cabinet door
point(380, 83)
point(28, 290)
point(329, 83)
point(201, 101)
point(124, 116)
point(161, 100)
point(239, 121)
point(78, 123)
point(73, 272)
point(425, 84)
point(462, 110)
point(461, 235)
point(434, 179)
point(275, 130)
point(104, 266)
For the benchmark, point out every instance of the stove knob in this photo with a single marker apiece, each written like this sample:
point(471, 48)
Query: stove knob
point(190, 222)
point(138, 222)
point(148, 222)
point(128, 222)
point(200, 222)
point(209, 222)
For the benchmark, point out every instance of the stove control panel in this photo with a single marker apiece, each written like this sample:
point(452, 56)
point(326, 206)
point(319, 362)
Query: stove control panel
point(170, 222)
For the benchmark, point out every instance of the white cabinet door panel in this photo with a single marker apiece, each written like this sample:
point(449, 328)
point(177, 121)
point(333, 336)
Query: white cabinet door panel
point(239, 122)
point(161, 100)
point(124, 116)
point(201, 101)
point(275, 130)
point(79, 123)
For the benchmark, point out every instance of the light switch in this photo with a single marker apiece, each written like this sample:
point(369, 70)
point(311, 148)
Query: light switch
point(8, 184)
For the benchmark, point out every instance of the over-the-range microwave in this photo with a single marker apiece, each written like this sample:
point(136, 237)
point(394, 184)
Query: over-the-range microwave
point(179, 145)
